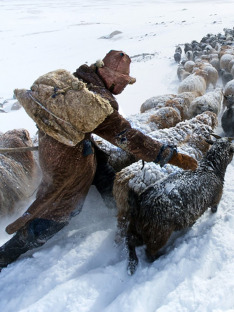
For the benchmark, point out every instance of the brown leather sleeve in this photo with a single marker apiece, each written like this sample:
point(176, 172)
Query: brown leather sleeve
point(118, 131)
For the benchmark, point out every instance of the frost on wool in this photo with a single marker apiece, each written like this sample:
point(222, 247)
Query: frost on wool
point(156, 118)
point(173, 203)
point(228, 94)
point(210, 101)
point(187, 135)
point(18, 171)
point(156, 102)
point(193, 82)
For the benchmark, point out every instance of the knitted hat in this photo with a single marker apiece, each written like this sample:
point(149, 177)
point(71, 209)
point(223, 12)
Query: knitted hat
point(115, 71)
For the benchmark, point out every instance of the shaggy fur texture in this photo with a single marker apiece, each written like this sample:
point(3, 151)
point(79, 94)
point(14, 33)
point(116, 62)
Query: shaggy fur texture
point(194, 82)
point(17, 171)
point(174, 203)
point(211, 101)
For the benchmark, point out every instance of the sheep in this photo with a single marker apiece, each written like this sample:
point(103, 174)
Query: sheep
point(156, 102)
point(173, 203)
point(177, 57)
point(189, 55)
point(181, 105)
point(165, 117)
point(232, 71)
point(206, 70)
point(210, 101)
point(225, 60)
point(189, 65)
point(215, 63)
point(230, 65)
point(189, 136)
point(194, 82)
point(226, 49)
point(227, 121)
point(182, 132)
point(183, 99)
point(182, 73)
point(212, 75)
point(187, 47)
point(18, 171)
point(228, 94)
point(156, 118)
point(178, 49)
point(225, 76)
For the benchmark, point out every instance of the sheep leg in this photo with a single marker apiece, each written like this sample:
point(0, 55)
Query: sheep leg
point(132, 257)
point(214, 208)
point(132, 240)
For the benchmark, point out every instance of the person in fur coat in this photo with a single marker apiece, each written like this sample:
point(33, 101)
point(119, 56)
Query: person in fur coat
point(69, 171)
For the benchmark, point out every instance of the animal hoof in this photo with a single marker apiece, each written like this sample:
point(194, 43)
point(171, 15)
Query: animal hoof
point(132, 265)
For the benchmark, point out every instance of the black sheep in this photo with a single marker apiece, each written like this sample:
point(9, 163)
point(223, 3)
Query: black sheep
point(174, 203)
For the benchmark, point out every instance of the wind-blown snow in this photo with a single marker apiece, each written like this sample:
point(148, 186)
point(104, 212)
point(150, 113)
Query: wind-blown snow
point(81, 269)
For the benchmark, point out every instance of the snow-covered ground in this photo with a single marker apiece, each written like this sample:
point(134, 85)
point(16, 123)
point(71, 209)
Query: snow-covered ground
point(81, 269)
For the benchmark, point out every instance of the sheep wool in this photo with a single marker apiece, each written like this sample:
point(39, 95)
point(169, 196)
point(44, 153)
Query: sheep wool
point(210, 101)
point(190, 136)
point(18, 171)
point(192, 83)
point(228, 93)
point(156, 102)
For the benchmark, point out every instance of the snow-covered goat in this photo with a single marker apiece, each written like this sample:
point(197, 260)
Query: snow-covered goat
point(18, 170)
point(174, 202)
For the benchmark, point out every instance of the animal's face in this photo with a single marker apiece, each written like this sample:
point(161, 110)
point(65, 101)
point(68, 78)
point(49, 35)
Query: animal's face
point(222, 151)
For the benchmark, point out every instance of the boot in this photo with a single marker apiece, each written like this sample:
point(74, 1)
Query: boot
point(32, 235)
point(12, 249)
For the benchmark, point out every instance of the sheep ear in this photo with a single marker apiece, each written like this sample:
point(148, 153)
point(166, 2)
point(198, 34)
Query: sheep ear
point(209, 141)
point(230, 139)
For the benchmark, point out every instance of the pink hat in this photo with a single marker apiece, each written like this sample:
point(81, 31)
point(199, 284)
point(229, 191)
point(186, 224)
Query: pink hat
point(115, 71)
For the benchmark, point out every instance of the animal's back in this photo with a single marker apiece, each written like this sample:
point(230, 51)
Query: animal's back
point(180, 198)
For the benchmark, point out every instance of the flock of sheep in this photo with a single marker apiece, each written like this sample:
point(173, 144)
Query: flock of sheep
point(205, 63)
point(151, 201)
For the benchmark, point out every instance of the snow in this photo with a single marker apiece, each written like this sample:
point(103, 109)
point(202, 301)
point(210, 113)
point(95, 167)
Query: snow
point(81, 268)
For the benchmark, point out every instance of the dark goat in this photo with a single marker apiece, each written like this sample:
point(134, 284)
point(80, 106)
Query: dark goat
point(174, 203)
point(227, 121)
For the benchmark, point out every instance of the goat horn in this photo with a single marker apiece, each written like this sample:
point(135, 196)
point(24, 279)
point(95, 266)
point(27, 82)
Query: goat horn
point(216, 136)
